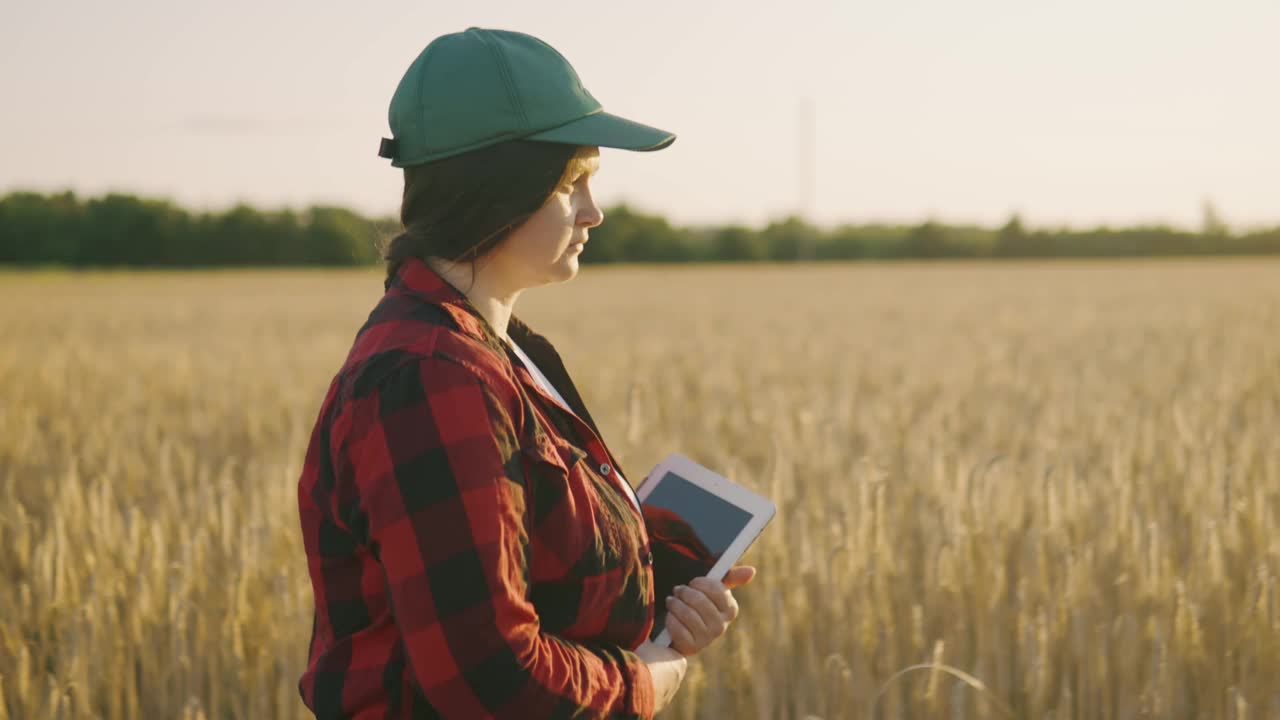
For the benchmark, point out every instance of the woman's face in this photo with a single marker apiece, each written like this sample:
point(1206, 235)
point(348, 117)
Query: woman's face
point(546, 247)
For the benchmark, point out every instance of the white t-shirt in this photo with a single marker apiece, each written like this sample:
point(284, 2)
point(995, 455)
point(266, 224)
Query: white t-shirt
point(545, 384)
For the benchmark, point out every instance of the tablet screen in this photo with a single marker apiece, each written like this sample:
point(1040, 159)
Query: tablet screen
point(689, 529)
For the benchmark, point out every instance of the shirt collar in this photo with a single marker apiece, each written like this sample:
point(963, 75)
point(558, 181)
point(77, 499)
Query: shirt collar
point(415, 277)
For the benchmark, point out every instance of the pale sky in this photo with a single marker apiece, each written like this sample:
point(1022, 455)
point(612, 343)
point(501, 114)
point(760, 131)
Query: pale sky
point(1075, 112)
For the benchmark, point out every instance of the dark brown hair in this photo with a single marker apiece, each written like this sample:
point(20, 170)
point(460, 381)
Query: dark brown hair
point(461, 207)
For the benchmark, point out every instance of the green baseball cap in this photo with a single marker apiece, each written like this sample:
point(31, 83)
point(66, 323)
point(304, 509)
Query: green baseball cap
point(477, 88)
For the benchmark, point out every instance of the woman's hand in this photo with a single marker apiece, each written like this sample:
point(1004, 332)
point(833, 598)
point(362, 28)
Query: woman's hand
point(701, 612)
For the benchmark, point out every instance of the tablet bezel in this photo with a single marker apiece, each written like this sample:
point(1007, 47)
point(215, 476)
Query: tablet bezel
point(761, 509)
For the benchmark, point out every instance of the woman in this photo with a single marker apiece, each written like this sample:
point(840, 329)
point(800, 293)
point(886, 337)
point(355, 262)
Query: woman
point(474, 549)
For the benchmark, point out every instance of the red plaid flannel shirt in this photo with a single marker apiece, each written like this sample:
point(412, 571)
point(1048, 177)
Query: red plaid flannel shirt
point(471, 552)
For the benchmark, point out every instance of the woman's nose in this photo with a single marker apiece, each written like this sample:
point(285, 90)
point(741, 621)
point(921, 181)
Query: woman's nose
point(591, 216)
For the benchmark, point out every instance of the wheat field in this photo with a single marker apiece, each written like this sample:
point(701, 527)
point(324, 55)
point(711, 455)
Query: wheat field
point(1004, 490)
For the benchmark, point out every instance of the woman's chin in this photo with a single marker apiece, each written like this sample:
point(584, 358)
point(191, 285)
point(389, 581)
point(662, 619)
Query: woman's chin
point(566, 268)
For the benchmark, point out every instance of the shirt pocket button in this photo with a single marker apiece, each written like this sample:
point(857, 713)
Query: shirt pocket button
point(605, 469)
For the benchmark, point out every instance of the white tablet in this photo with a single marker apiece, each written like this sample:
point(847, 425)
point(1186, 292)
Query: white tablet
point(699, 523)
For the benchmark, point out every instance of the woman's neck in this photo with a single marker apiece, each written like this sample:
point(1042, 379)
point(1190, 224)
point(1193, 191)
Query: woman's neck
point(491, 298)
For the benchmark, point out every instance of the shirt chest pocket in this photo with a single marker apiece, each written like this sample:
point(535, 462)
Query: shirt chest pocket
point(579, 527)
point(585, 550)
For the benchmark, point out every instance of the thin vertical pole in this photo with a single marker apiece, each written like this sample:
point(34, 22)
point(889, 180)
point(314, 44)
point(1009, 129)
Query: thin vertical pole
point(806, 172)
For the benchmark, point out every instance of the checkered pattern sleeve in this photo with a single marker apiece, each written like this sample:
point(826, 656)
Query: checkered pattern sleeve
point(440, 493)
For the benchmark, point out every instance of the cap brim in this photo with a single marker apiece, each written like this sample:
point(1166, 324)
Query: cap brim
point(607, 130)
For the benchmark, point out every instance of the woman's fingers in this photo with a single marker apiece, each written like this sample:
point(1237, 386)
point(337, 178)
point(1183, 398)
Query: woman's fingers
point(691, 618)
point(719, 595)
point(712, 620)
point(682, 640)
point(738, 576)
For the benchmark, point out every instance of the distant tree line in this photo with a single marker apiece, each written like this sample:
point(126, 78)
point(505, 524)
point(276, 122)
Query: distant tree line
point(117, 230)
point(125, 230)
